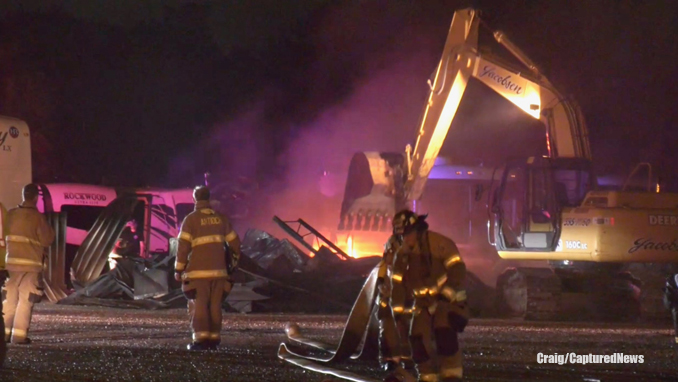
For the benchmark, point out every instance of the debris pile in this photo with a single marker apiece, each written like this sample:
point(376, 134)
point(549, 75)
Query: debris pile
point(273, 276)
point(133, 283)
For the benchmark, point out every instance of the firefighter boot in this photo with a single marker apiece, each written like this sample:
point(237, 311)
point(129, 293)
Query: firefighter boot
point(22, 341)
point(213, 344)
point(400, 375)
point(198, 346)
point(214, 340)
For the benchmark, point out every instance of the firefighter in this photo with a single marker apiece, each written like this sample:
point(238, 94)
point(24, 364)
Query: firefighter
point(27, 236)
point(428, 269)
point(671, 301)
point(203, 266)
point(394, 350)
point(128, 245)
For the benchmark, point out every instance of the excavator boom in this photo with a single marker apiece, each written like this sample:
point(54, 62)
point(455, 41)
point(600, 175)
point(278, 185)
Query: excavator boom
point(381, 183)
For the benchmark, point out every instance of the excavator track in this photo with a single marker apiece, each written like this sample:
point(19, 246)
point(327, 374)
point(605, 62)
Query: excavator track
point(653, 280)
point(531, 293)
point(543, 294)
point(611, 295)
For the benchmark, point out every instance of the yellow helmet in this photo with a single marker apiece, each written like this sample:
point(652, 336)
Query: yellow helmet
point(406, 221)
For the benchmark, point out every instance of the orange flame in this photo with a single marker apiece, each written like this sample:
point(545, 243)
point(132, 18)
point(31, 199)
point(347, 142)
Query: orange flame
point(315, 247)
point(349, 244)
point(354, 247)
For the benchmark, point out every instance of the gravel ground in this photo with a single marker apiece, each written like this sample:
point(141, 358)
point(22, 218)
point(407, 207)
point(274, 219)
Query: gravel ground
point(102, 344)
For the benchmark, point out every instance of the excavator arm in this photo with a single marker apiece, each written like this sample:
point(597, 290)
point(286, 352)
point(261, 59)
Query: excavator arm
point(379, 184)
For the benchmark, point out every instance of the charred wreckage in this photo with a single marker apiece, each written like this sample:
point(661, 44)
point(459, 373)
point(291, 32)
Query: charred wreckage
point(274, 276)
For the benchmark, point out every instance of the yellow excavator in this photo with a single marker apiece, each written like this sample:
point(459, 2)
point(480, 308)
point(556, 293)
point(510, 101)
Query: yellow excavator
point(540, 208)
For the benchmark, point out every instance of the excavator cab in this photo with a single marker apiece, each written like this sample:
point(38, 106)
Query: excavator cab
point(526, 207)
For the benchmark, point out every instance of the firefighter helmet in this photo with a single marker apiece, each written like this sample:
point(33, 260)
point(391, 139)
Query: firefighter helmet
point(406, 221)
point(201, 193)
point(30, 191)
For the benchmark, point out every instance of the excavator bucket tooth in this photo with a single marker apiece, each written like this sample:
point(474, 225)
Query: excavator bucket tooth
point(369, 193)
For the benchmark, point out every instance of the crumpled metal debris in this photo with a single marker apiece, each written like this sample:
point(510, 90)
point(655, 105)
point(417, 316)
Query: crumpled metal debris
point(273, 276)
point(268, 251)
point(129, 284)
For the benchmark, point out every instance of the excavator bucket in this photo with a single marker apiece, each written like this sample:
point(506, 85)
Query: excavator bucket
point(373, 191)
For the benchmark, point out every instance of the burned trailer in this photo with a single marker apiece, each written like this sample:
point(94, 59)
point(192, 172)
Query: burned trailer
point(143, 277)
point(88, 220)
point(75, 209)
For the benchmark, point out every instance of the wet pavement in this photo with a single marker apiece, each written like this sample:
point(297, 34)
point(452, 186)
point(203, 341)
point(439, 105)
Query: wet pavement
point(74, 343)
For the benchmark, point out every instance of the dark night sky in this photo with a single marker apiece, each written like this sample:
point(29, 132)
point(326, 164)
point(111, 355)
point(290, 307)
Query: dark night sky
point(156, 92)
